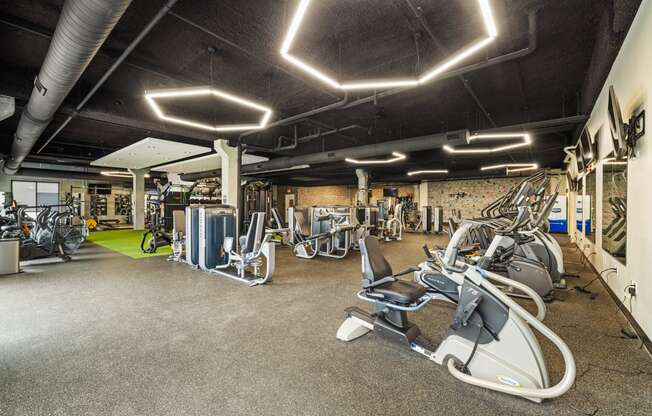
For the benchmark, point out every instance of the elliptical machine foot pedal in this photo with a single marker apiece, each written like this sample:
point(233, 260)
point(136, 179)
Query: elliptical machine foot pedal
point(561, 284)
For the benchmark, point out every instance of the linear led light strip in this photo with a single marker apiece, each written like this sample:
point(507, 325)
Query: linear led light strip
point(613, 161)
point(151, 96)
point(295, 167)
point(513, 167)
point(526, 141)
point(295, 25)
point(119, 174)
point(426, 172)
point(397, 156)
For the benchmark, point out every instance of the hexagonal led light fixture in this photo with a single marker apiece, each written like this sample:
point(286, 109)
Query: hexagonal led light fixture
point(513, 167)
point(295, 25)
point(397, 156)
point(119, 174)
point(525, 141)
point(426, 172)
point(151, 96)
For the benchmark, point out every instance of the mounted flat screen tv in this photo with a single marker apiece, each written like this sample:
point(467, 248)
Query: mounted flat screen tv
point(588, 148)
point(390, 192)
point(579, 157)
point(616, 125)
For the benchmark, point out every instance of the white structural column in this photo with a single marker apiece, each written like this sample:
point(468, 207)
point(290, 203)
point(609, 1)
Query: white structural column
point(138, 198)
point(230, 172)
point(230, 177)
point(423, 194)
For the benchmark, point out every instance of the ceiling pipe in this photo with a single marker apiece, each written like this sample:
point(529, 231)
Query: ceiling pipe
point(161, 13)
point(44, 33)
point(39, 173)
point(542, 124)
point(285, 121)
point(413, 144)
point(296, 140)
point(82, 28)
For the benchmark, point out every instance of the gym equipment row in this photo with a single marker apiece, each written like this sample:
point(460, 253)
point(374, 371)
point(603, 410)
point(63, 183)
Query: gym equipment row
point(204, 236)
point(490, 342)
point(57, 230)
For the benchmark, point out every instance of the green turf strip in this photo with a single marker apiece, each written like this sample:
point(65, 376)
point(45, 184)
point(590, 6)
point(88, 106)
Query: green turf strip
point(125, 242)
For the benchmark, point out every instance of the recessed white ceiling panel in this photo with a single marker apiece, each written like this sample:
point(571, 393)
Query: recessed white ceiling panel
point(149, 152)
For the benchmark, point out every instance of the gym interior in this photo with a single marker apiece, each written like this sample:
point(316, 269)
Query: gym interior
point(297, 207)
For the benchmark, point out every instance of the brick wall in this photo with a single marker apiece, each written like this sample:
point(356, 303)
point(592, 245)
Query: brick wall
point(469, 196)
point(325, 195)
point(340, 195)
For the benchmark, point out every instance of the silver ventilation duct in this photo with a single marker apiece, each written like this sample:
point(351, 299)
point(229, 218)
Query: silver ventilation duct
point(82, 28)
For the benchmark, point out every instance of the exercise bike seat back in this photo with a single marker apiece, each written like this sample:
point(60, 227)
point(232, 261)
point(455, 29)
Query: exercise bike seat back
point(378, 278)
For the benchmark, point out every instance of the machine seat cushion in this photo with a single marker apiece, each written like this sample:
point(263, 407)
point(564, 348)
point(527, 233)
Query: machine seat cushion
point(400, 291)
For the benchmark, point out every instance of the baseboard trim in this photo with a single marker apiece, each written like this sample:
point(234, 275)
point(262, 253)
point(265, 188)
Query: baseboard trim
point(626, 313)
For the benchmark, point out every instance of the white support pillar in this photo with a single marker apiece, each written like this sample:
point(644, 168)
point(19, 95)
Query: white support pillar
point(230, 177)
point(423, 194)
point(138, 198)
point(230, 172)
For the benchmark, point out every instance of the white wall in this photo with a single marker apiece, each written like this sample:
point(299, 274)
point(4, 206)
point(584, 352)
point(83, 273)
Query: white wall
point(631, 76)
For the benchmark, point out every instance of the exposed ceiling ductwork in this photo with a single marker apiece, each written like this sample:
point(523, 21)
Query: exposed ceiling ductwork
point(82, 28)
point(413, 144)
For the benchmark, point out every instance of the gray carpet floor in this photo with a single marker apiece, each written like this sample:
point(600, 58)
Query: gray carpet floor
point(108, 335)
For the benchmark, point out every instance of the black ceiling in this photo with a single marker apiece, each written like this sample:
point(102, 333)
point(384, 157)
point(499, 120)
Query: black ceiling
point(233, 45)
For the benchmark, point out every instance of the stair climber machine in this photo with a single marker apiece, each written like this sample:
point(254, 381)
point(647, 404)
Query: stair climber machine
point(446, 287)
point(211, 245)
point(533, 241)
point(331, 232)
point(506, 253)
point(490, 342)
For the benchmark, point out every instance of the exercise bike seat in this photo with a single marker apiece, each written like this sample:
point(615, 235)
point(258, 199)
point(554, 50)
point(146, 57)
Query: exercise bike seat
point(400, 291)
point(376, 268)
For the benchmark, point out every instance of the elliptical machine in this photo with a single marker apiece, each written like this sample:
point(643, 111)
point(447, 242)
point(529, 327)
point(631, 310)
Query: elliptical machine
point(490, 342)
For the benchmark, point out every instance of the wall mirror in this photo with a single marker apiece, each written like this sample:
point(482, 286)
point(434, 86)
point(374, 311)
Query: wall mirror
point(614, 207)
point(588, 207)
point(579, 212)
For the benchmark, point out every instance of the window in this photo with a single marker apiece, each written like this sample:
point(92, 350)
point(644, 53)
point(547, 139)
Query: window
point(33, 194)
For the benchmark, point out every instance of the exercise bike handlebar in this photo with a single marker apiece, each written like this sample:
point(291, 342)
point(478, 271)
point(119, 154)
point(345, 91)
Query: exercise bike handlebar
point(558, 389)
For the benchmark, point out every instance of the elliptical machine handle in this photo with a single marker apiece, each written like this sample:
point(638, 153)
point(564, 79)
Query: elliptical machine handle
point(426, 250)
